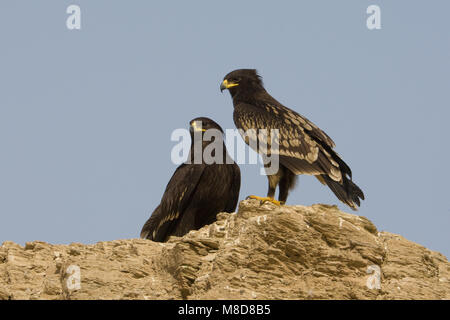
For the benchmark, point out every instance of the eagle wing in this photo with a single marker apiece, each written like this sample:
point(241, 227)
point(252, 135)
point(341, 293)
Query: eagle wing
point(174, 202)
point(234, 190)
point(303, 147)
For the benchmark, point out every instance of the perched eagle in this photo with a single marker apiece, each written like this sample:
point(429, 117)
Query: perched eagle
point(303, 147)
point(198, 190)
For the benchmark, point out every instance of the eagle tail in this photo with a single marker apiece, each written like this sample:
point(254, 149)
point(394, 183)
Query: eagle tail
point(348, 192)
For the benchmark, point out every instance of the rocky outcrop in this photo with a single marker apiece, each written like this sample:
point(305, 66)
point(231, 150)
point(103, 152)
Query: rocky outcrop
point(261, 252)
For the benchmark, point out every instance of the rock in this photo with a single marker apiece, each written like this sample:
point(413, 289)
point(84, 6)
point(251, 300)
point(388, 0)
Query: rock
point(261, 252)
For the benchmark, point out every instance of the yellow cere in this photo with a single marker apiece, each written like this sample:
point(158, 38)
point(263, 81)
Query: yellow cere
point(196, 127)
point(228, 85)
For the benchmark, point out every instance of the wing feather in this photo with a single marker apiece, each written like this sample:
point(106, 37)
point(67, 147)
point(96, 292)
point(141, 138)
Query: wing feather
point(234, 190)
point(303, 147)
point(174, 202)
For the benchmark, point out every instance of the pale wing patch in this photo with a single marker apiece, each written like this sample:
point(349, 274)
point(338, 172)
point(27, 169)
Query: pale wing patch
point(335, 174)
point(297, 141)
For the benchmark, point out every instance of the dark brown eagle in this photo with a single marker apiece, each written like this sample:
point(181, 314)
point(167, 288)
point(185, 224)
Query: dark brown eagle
point(303, 147)
point(198, 190)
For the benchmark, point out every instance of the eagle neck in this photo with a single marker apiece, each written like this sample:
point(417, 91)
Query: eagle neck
point(197, 150)
point(249, 96)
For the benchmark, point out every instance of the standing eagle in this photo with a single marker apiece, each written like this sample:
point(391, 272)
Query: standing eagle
point(303, 147)
point(197, 191)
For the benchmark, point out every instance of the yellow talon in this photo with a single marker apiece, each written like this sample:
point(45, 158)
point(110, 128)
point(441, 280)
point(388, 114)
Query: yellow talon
point(265, 199)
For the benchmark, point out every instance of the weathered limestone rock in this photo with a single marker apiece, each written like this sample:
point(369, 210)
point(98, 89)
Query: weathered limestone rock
point(261, 252)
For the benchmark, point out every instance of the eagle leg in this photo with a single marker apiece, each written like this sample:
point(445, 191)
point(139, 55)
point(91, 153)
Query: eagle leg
point(287, 182)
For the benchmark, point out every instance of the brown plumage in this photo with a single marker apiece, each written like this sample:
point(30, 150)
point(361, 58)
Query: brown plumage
point(303, 147)
point(197, 192)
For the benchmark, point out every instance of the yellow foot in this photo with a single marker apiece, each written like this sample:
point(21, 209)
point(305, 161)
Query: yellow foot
point(265, 199)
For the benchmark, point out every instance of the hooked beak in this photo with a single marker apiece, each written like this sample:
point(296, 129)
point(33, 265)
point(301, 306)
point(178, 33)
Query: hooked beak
point(196, 126)
point(227, 85)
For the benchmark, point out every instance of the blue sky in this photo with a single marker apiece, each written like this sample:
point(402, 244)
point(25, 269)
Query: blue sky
point(86, 115)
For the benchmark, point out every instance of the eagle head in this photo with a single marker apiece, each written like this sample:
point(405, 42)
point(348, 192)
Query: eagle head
point(242, 79)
